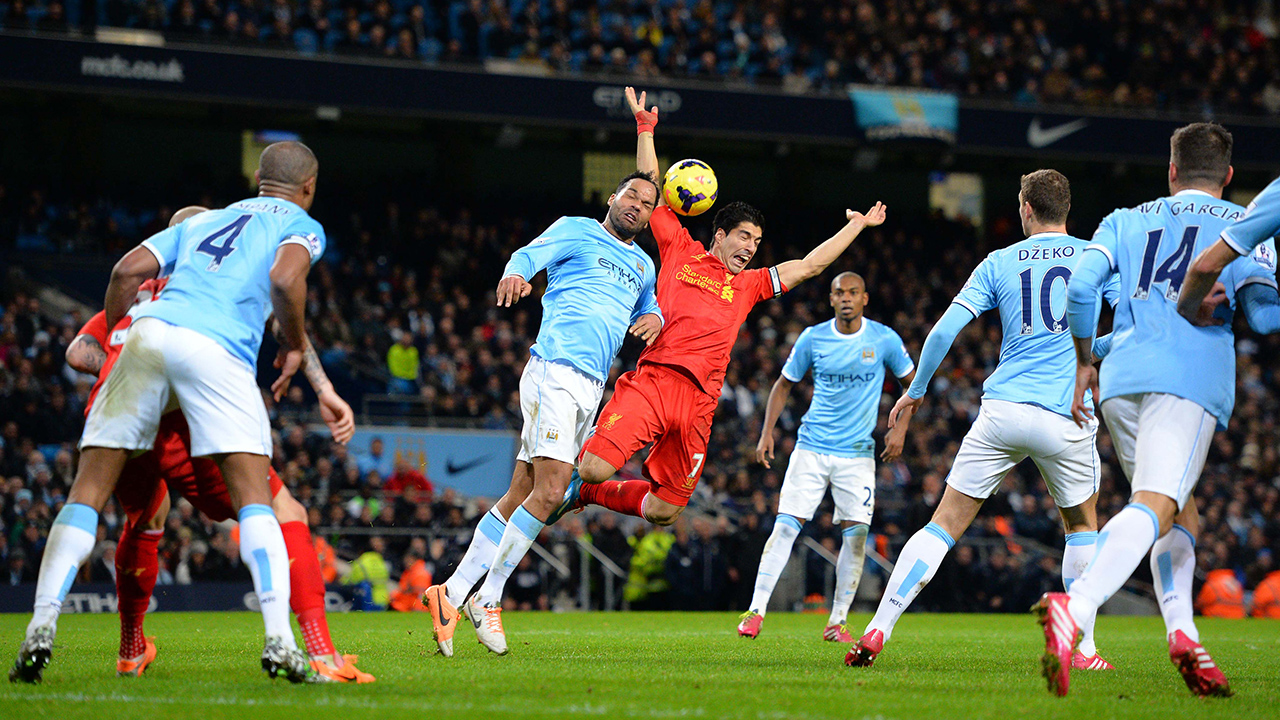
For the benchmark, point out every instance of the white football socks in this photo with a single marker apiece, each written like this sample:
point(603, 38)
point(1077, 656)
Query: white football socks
point(262, 549)
point(916, 565)
point(71, 539)
point(1173, 566)
point(853, 551)
point(1122, 543)
point(475, 563)
point(517, 538)
point(777, 551)
point(1076, 556)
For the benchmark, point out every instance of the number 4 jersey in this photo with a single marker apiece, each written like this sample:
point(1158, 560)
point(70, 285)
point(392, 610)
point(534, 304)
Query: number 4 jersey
point(1028, 282)
point(1153, 349)
point(219, 265)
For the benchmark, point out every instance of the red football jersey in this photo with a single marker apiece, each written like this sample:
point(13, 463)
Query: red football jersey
point(702, 303)
point(113, 342)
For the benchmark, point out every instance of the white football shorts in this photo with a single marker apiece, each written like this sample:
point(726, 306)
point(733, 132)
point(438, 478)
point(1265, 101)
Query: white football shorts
point(1006, 433)
point(559, 405)
point(852, 482)
point(217, 391)
point(1162, 441)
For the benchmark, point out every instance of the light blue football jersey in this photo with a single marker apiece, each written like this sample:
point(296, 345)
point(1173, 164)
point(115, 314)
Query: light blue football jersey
point(219, 266)
point(848, 379)
point(1261, 221)
point(597, 286)
point(1154, 350)
point(1027, 281)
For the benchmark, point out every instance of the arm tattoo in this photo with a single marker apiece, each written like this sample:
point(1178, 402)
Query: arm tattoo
point(313, 369)
point(90, 355)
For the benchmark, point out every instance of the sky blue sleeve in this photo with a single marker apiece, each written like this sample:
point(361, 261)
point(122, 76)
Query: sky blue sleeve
point(164, 245)
point(647, 303)
point(1102, 346)
point(1261, 306)
point(1260, 223)
point(1111, 290)
point(935, 348)
point(308, 233)
point(895, 355)
point(801, 358)
point(1106, 240)
point(979, 292)
point(553, 245)
point(1083, 289)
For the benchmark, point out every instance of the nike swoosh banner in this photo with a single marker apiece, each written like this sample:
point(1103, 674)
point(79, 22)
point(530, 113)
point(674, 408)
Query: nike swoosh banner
point(1101, 136)
point(482, 460)
point(905, 114)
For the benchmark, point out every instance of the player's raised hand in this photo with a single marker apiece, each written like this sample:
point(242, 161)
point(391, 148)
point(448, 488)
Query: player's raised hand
point(906, 404)
point(337, 414)
point(764, 449)
point(288, 361)
point(647, 328)
point(511, 288)
point(645, 119)
point(1086, 379)
point(1204, 315)
point(873, 217)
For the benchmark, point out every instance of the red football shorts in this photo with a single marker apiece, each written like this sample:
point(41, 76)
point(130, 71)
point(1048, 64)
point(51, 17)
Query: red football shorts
point(659, 405)
point(146, 479)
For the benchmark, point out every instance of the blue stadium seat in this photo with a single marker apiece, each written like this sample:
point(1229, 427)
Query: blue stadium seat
point(306, 41)
point(429, 49)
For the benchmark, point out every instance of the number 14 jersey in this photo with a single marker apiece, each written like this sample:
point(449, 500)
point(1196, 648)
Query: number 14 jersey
point(1153, 349)
point(1027, 281)
point(219, 267)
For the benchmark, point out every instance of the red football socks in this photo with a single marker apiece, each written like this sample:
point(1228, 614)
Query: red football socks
point(137, 565)
point(306, 594)
point(624, 496)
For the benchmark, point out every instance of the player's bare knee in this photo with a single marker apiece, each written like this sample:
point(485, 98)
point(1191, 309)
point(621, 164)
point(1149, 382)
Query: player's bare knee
point(664, 516)
point(157, 520)
point(288, 509)
point(593, 469)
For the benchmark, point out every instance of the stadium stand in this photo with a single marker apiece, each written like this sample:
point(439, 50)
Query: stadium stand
point(426, 274)
point(1202, 57)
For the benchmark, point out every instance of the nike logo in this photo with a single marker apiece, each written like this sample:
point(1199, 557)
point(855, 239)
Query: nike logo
point(440, 617)
point(1038, 137)
point(455, 468)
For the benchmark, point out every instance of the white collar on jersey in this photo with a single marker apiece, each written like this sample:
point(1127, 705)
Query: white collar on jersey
point(1046, 233)
point(848, 336)
point(1192, 191)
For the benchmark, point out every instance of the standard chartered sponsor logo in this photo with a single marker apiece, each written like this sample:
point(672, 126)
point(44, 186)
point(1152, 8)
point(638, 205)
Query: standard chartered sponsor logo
point(118, 67)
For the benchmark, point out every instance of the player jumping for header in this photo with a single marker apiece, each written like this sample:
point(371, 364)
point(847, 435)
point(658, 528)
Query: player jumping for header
point(599, 283)
point(848, 356)
point(670, 398)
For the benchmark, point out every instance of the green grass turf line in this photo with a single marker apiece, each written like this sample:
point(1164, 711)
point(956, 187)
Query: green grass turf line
point(643, 665)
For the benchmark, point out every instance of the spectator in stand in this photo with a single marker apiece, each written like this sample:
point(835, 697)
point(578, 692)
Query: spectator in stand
point(406, 478)
point(370, 575)
point(376, 460)
point(1221, 595)
point(414, 580)
point(402, 363)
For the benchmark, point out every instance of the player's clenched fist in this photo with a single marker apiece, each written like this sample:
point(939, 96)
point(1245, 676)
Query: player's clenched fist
point(647, 328)
point(511, 289)
point(873, 217)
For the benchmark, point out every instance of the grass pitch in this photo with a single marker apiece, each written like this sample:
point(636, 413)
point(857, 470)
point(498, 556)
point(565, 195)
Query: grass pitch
point(647, 665)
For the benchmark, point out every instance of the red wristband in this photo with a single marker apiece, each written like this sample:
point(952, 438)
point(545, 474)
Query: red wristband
point(646, 121)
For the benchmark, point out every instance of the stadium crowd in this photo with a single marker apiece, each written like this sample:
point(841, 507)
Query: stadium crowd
point(1203, 56)
point(403, 303)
